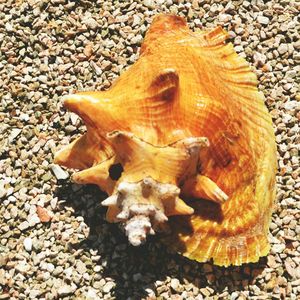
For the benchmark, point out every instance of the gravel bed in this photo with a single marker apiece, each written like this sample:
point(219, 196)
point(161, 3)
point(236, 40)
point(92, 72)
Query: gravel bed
point(54, 241)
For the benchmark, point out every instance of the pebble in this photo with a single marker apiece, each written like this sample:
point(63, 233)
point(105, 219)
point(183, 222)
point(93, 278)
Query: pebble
point(263, 20)
point(149, 3)
point(43, 214)
point(108, 286)
point(283, 48)
point(33, 220)
point(278, 248)
point(50, 267)
point(80, 267)
point(28, 244)
point(91, 23)
point(224, 18)
point(23, 226)
point(175, 284)
point(66, 290)
point(22, 267)
point(2, 192)
point(92, 295)
point(59, 173)
point(14, 134)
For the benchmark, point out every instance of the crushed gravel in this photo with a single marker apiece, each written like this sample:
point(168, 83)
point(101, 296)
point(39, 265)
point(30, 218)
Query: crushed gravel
point(54, 242)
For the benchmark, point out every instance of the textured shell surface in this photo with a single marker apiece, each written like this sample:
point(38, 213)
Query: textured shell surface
point(193, 142)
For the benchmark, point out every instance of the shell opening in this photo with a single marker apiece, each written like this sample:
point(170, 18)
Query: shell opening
point(115, 171)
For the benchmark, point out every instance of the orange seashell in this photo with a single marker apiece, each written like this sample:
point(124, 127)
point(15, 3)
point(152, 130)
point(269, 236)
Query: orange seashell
point(183, 136)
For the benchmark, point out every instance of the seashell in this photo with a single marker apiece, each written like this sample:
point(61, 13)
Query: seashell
point(182, 142)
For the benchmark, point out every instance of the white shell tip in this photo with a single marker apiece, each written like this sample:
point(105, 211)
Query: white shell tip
point(112, 200)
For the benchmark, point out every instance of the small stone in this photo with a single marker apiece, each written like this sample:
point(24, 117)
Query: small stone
point(9, 27)
point(290, 105)
point(3, 261)
point(43, 78)
point(53, 202)
point(33, 220)
point(263, 20)
point(80, 267)
point(290, 268)
point(58, 270)
point(66, 290)
point(224, 18)
point(283, 48)
point(149, 3)
point(14, 212)
point(136, 20)
point(43, 214)
point(97, 268)
point(74, 118)
point(14, 133)
point(88, 50)
point(70, 128)
point(278, 248)
point(91, 23)
point(137, 39)
point(22, 267)
point(205, 291)
point(175, 284)
point(59, 173)
point(259, 58)
point(27, 244)
point(108, 286)
point(50, 267)
point(234, 296)
point(2, 191)
point(23, 226)
point(91, 294)
point(271, 261)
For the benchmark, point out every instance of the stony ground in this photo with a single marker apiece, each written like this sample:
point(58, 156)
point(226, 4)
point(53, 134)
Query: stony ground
point(51, 48)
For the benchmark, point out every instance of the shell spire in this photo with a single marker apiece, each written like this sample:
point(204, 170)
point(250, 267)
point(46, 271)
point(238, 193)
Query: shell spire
point(192, 142)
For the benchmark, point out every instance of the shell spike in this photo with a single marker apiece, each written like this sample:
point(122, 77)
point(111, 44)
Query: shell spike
point(176, 206)
point(203, 187)
point(88, 105)
point(97, 175)
point(112, 200)
point(75, 154)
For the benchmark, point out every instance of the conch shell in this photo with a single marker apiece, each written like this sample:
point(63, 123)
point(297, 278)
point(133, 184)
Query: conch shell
point(183, 143)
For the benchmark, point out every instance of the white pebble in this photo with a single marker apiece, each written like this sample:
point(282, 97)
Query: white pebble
point(50, 267)
point(108, 286)
point(59, 173)
point(283, 48)
point(263, 20)
point(27, 244)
